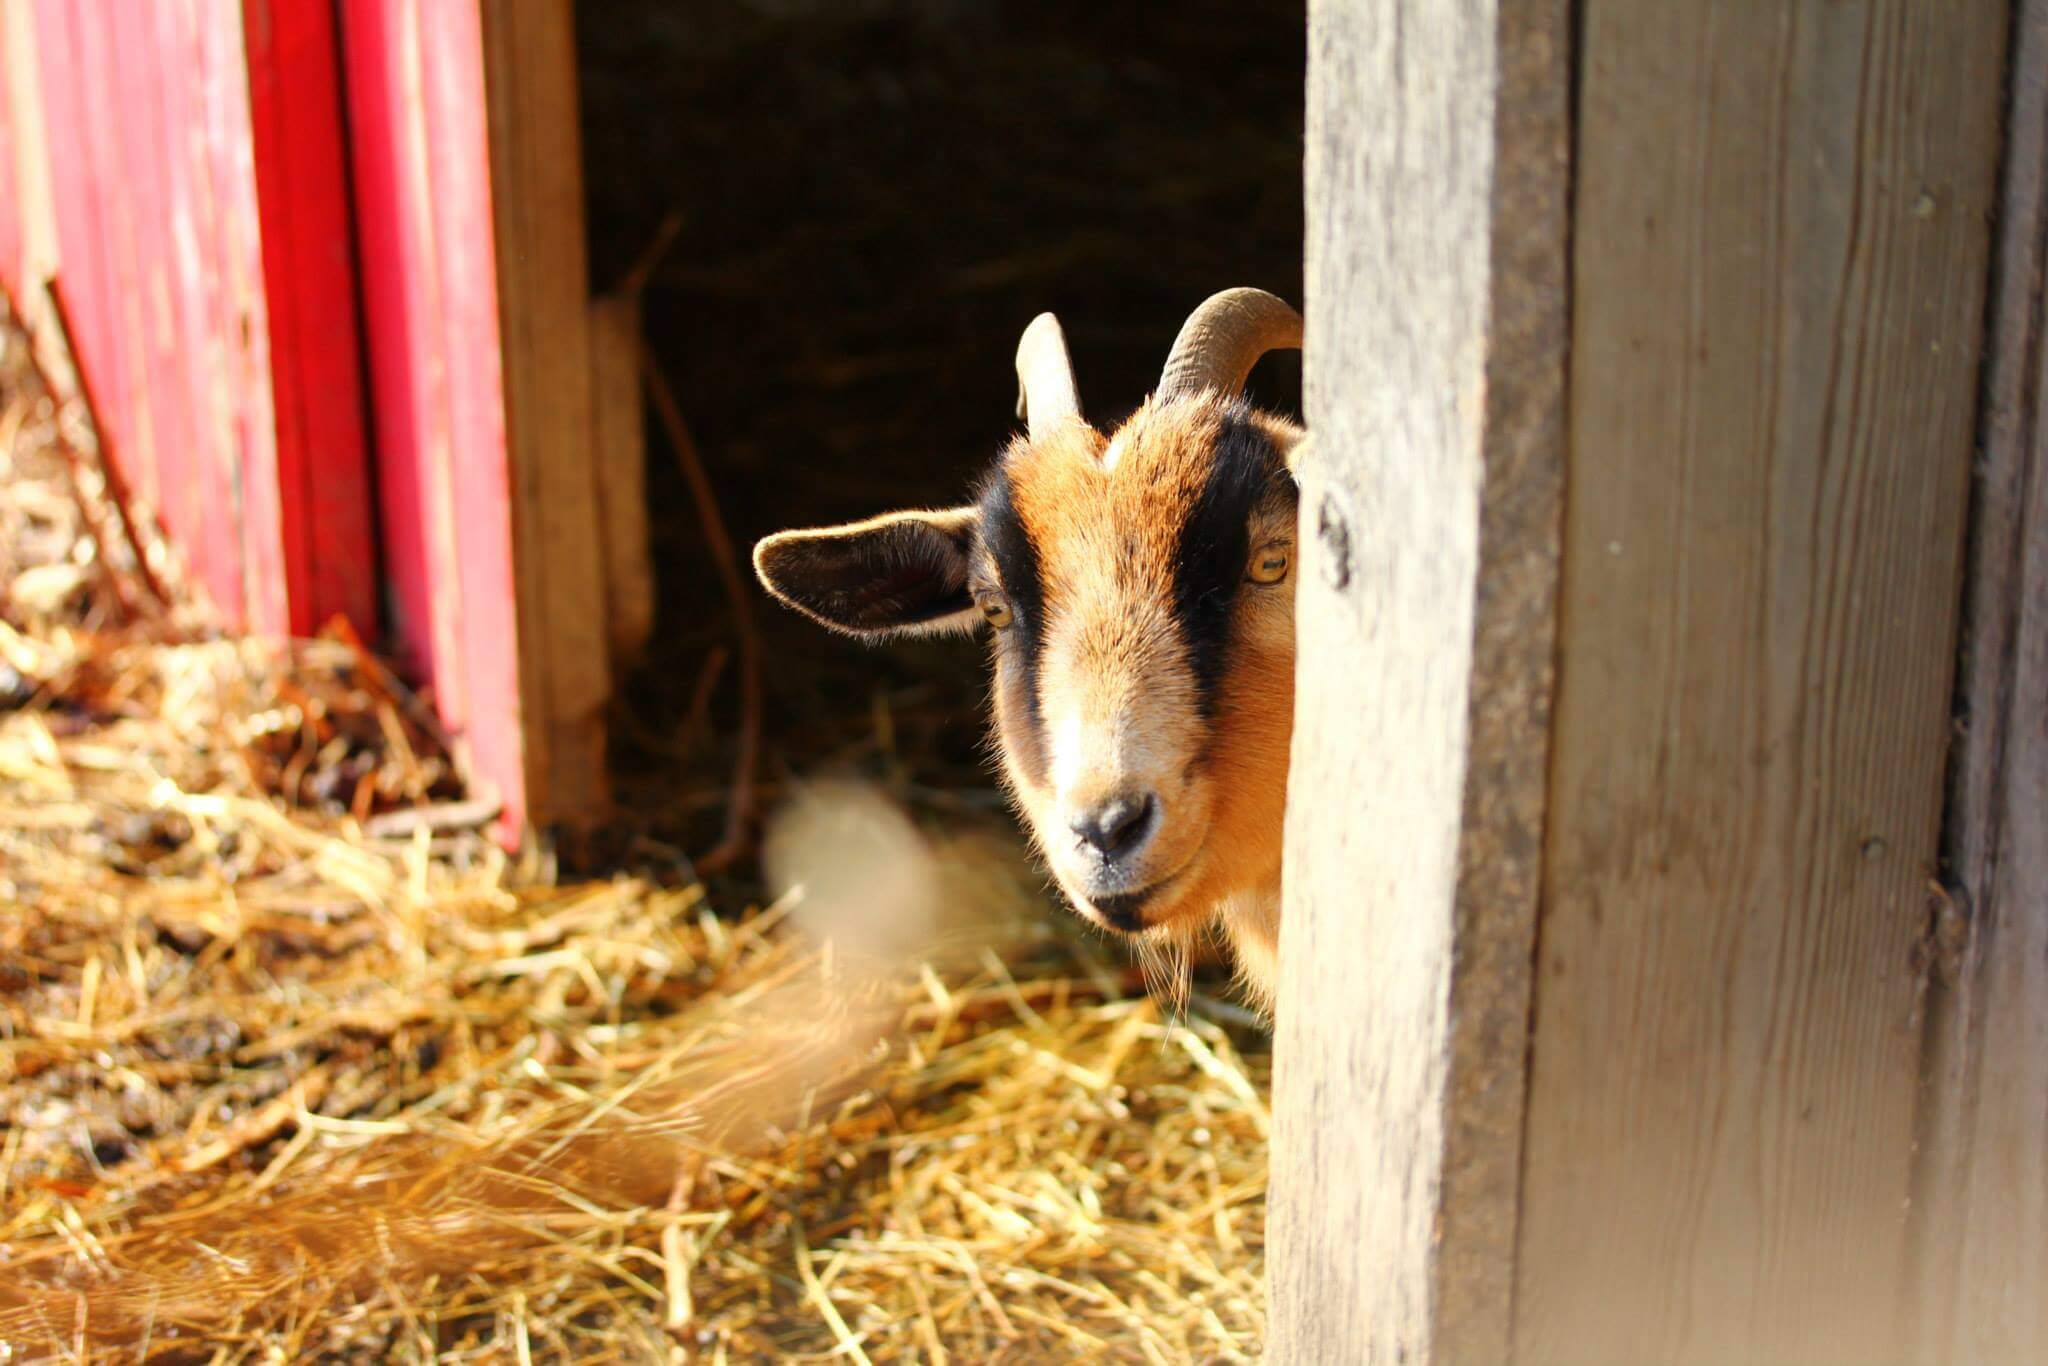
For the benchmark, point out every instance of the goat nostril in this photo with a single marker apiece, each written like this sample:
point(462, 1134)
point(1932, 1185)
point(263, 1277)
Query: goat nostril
point(1117, 825)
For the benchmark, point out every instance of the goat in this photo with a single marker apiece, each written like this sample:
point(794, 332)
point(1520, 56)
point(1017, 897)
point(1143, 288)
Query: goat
point(1138, 592)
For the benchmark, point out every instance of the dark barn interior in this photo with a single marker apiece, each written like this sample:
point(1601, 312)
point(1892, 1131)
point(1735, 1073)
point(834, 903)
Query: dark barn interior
point(872, 199)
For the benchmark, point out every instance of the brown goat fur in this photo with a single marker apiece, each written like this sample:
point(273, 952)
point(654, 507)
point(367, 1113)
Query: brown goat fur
point(1143, 651)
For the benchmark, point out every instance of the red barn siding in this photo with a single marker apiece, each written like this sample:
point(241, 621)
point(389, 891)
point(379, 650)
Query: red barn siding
point(204, 177)
point(295, 104)
point(198, 199)
point(414, 75)
point(13, 217)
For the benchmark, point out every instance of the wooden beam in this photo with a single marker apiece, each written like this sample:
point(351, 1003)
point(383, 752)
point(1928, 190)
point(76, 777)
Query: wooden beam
point(1981, 1193)
point(544, 311)
point(1779, 262)
point(1438, 162)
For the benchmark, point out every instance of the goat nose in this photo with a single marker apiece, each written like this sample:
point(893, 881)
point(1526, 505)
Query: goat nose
point(1115, 827)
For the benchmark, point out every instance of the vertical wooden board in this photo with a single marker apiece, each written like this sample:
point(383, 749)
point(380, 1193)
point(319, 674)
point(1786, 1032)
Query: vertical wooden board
point(13, 224)
point(505, 733)
point(81, 256)
point(207, 521)
point(1779, 250)
point(414, 76)
point(208, 511)
point(250, 463)
point(129, 197)
point(104, 227)
point(1438, 160)
point(173, 373)
point(33, 208)
point(543, 306)
point(406, 370)
point(1981, 1196)
point(619, 446)
point(310, 293)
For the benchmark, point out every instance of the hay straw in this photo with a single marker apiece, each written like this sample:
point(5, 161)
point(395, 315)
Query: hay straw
point(273, 1086)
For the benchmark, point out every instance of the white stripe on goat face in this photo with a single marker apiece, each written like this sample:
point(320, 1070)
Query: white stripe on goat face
point(1118, 700)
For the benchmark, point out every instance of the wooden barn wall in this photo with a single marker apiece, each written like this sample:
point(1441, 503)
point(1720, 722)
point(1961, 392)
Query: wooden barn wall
point(414, 77)
point(469, 204)
point(147, 158)
point(1982, 1192)
point(1780, 244)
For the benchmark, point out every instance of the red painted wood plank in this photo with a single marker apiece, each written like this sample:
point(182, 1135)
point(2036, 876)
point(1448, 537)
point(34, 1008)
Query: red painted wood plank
point(198, 334)
point(204, 511)
point(416, 100)
point(451, 41)
point(106, 230)
point(249, 465)
point(310, 277)
point(72, 173)
point(147, 140)
point(407, 366)
point(13, 227)
point(242, 431)
point(123, 112)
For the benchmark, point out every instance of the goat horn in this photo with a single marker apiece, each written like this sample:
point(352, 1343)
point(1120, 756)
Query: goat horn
point(1223, 339)
point(1046, 395)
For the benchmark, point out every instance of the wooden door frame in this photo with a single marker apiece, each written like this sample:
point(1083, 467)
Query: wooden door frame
point(1452, 1117)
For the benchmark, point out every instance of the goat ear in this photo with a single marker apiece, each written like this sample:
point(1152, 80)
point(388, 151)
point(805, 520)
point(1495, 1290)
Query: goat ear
point(904, 573)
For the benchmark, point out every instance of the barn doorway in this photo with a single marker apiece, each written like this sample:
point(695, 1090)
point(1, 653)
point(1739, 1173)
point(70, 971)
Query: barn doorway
point(871, 199)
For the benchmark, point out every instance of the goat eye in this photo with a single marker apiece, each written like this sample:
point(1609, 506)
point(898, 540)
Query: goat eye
point(997, 611)
point(1269, 565)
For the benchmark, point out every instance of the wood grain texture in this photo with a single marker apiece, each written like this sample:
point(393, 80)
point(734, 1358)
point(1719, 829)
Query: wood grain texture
point(544, 311)
point(1437, 175)
point(1779, 253)
point(619, 449)
point(1982, 1187)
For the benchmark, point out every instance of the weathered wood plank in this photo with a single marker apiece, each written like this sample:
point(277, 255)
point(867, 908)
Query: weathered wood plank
point(1779, 248)
point(544, 310)
point(1982, 1188)
point(415, 85)
point(1437, 172)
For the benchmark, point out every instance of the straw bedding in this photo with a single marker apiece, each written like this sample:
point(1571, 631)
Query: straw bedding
point(295, 1063)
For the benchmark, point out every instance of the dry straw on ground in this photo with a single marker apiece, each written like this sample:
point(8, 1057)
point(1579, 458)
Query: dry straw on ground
point(289, 1070)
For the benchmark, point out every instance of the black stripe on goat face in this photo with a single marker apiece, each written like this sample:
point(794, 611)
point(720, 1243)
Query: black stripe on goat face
point(1246, 477)
point(1019, 649)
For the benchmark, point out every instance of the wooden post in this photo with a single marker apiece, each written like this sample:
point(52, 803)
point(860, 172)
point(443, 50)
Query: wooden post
point(1437, 175)
point(544, 317)
point(1779, 261)
point(1982, 1188)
